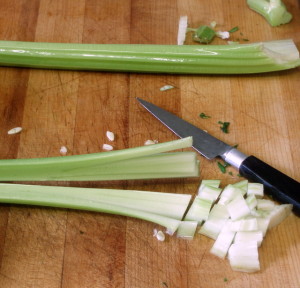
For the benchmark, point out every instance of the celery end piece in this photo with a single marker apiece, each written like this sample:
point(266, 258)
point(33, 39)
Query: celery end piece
point(275, 12)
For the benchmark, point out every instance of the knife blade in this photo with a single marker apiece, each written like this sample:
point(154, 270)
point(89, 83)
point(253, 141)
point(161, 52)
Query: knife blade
point(282, 187)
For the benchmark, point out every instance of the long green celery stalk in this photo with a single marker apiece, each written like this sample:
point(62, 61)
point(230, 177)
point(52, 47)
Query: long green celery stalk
point(143, 162)
point(183, 59)
point(166, 209)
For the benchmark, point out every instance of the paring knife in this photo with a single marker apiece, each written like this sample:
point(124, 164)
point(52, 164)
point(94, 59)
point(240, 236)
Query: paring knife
point(280, 186)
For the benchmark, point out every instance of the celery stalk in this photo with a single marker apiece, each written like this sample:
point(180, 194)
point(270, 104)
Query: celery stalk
point(165, 209)
point(183, 59)
point(135, 163)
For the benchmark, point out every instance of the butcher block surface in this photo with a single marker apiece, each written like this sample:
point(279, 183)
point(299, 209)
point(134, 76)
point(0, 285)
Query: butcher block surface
point(51, 248)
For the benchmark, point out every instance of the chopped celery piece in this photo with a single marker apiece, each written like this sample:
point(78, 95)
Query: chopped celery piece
point(209, 193)
point(212, 183)
point(256, 189)
point(182, 26)
point(199, 210)
point(274, 11)
point(249, 236)
point(216, 221)
point(135, 163)
point(262, 225)
point(265, 204)
point(243, 257)
point(238, 208)
point(182, 59)
point(279, 213)
point(243, 185)
point(229, 193)
point(249, 224)
point(223, 242)
point(165, 209)
point(251, 201)
point(187, 229)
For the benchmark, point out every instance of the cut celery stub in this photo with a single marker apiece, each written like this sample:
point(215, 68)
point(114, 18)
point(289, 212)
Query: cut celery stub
point(209, 193)
point(181, 59)
point(187, 229)
point(279, 213)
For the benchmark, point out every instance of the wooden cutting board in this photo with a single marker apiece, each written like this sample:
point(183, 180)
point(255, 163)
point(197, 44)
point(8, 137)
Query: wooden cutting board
point(42, 247)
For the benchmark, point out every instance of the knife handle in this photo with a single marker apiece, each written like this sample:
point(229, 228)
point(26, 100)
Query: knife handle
point(280, 186)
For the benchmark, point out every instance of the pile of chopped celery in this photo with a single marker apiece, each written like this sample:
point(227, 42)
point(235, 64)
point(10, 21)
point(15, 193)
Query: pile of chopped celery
point(238, 220)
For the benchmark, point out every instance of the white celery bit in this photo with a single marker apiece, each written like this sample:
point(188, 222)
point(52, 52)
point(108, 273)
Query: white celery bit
point(166, 87)
point(229, 193)
point(279, 213)
point(249, 236)
point(187, 229)
point(223, 34)
point(265, 204)
point(243, 185)
point(165, 209)
point(216, 221)
point(150, 142)
point(209, 193)
point(256, 189)
point(244, 257)
point(107, 147)
point(249, 224)
point(182, 27)
point(15, 130)
point(160, 236)
point(199, 210)
point(223, 242)
point(238, 208)
point(63, 150)
point(251, 202)
point(110, 135)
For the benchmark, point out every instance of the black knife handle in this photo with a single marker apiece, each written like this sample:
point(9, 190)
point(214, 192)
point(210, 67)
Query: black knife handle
point(280, 186)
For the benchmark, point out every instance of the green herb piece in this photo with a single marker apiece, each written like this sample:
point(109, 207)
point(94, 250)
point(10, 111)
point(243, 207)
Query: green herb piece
point(222, 166)
point(225, 126)
point(234, 29)
point(204, 34)
point(204, 116)
point(181, 59)
point(225, 280)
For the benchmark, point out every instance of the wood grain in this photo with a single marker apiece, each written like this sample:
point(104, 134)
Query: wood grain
point(42, 247)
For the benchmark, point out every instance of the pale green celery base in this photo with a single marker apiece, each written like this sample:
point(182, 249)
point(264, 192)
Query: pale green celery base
point(134, 163)
point(275, 15)
point(165, 214)
point(183, 59)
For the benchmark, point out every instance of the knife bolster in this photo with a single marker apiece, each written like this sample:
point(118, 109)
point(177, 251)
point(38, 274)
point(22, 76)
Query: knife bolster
point(234, 157)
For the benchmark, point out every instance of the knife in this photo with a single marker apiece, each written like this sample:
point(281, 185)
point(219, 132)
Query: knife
point(282, 188)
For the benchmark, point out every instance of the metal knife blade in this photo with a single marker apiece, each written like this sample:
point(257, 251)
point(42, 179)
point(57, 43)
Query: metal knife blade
point(280, 186)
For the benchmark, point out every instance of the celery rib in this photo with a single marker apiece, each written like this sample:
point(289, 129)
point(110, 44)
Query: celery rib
point(183, 59)
point(165, 209)
point(143, 162)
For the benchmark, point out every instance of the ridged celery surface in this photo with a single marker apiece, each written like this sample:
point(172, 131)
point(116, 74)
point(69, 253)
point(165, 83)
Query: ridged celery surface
point(184, 59)
point(143, 162)
point(166, 209)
